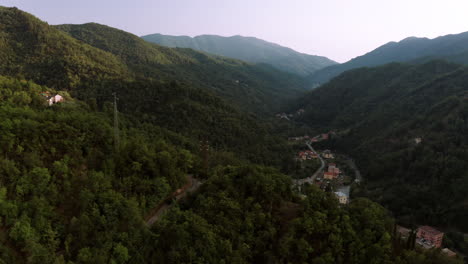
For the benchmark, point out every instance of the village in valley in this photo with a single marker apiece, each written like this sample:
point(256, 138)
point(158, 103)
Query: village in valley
point(331, 172)
point(337, 173)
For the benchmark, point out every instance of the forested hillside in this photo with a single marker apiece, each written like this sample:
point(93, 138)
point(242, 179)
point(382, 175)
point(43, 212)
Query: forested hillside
point(407, 126)
point(453, 48)
point(247, 49)
point(78, 177)
point(33, 49)
point(258, 88)
point(70, 194)
point(146, 89)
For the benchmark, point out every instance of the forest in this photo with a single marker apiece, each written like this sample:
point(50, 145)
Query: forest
point(406, 125)
point(78, 178)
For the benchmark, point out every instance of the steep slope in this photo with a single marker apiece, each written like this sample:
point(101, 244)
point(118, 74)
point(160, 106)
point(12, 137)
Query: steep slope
point(68, 194)
point(31, 48)
point(189, 106)
point(380, 112)
point(248, 49)
point(256, 87)
point(450, 47)
point(37, 51)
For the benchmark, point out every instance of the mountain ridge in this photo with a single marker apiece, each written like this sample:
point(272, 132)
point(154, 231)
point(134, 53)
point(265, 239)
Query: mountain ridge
point(411, 48)
point(250, 49)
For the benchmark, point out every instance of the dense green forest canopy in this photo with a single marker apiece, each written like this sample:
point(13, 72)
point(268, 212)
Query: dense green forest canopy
point(259, 88)
point(75, 185)
point(93, 53)
point(248, 49)
point(407, 126)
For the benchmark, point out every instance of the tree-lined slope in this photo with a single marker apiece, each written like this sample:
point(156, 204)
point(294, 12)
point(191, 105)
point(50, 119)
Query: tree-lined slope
point(254, 87)
point(247, 49)
point(93, 53)
point(407, 125)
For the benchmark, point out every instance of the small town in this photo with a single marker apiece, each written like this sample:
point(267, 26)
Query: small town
point(337, 173)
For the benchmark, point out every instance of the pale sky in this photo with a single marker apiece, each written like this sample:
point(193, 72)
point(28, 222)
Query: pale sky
point(338, 29)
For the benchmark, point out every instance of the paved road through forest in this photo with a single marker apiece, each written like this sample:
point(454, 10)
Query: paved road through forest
point(319, 170)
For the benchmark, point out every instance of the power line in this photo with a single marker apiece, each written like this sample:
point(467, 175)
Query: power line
point(116, 123)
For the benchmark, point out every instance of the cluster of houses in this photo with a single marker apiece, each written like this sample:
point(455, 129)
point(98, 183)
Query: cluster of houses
point(320, 137)
point(427, 237)
point(283, 116)
point(52, 99)
point(288, 116)
point(315, 139)
point(306, 137)
point(307, 155)
point(332, 172)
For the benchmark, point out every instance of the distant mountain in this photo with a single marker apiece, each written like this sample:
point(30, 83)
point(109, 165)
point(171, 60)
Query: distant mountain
point(67, 56)
point(248, 49)
point(451, 47)
point(259, 88)
point(191, 93)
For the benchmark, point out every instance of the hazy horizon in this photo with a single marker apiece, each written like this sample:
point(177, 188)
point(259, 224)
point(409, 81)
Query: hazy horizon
point(334, 29)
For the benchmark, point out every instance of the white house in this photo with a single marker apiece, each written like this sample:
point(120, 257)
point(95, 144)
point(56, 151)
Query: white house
point(54, 99)
point(342, 198)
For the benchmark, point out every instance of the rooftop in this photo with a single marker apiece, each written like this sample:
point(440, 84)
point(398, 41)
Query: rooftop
point(430, 230)
point(340, 194)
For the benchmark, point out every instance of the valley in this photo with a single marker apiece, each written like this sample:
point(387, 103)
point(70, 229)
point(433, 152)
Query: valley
point(114, 149)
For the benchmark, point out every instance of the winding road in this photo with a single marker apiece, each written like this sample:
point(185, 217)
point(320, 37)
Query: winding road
point(154, 215)
point(311, 179)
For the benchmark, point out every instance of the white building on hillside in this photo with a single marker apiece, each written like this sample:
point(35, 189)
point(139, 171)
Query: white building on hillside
point(342, 198)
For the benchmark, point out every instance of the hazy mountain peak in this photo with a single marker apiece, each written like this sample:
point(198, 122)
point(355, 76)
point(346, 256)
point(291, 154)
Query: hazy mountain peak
point(249, 49)
point(451, 47)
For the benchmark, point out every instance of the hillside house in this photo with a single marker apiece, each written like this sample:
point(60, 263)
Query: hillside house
point(429, 237)
point(342, 198)
point(52, 99)
point(449, 252)
point(282, 116)
point(327, 154)
point(333, 170)
point(325, 136)
point(307, 155)
point(328, 175)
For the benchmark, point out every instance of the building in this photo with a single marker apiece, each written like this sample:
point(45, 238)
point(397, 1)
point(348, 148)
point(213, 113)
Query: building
point(328, 175)
point(417, 140)
point(342, 198)
point(307, 155)
point(429, 237)
point(327, 154)
point(449, 252)
point(325, 136)
point(332, 171)
point(52, 99)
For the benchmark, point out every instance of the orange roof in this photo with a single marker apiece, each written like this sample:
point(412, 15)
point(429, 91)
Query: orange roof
point(430, 230)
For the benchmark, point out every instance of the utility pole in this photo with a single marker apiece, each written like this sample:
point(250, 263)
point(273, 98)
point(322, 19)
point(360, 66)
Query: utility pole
point(116, 123)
